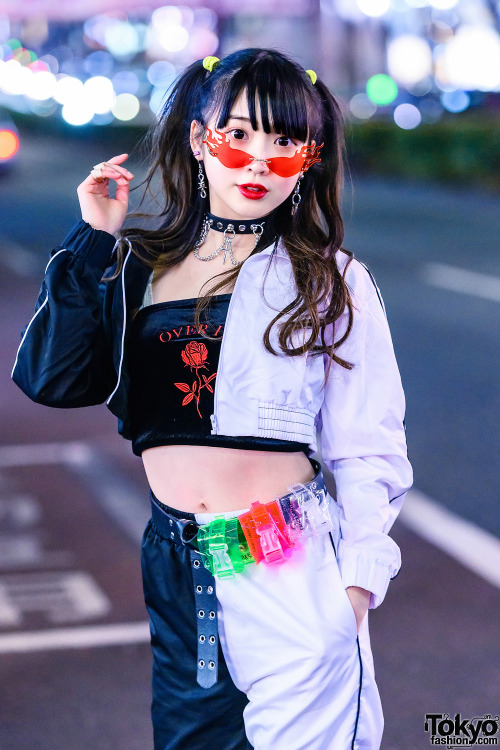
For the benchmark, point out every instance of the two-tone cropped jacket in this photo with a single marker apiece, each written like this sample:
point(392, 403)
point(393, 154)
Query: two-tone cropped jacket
point(73, 353)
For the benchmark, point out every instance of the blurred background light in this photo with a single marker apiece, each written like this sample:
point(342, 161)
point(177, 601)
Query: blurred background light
point(455, 101)
point(362, 106)
point(45, 108)
point(156, 100)
point(9, 144)
point(173, 38)
point(99, 63)
point(77, 112)
point(51, 62)
point(15, 78)
point(105, 118)
point(420, 88)
point(126, 107)
point(203, 42)
point(407, 116)
point(125, 82)
point(443, 4)
point(67, 88)
point(374, 8)
point(38, 66)
point(381, 89)
point(4, 28)
point(471, 59)
point(161, 73)
point(409, 59)
point(42, 86)
point(98, 91)
point(167, 16)
point(122, 39)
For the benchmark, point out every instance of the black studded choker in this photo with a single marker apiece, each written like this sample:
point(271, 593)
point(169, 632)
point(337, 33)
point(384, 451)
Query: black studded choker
point(240, 226)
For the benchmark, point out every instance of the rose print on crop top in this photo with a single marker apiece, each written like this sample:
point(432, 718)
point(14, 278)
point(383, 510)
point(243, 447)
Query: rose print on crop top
point(194, 356)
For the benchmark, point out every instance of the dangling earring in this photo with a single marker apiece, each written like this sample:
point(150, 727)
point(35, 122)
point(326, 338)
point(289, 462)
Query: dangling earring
point(201, 181)
point(296, 197)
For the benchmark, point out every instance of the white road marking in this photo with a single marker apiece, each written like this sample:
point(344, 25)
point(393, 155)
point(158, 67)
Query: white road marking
point(462, 540)
point(128, 507)
point(85, 637)
point(462, 280)
point(74, 452)
point(63, 597)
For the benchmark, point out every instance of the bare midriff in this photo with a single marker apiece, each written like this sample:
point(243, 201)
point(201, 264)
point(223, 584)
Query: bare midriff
point(211, 479)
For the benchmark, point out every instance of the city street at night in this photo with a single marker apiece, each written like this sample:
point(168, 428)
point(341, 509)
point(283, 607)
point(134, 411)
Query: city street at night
point(74, 653)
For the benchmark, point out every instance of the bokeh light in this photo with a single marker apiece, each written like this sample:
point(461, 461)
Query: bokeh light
point(362, 106)
point(161, 73)
point(122, 39)
point(67, 88)
point(471, 59)
point(409, 59)
point(156, 100)
point(381, 89)
point(42, 86)
point(15, 78)
point(125, 82)
point(443, 4)
point(374, 8)
point(455, 101)
point(99, 93)
point(9, 144)
point(77, 112)
point(99, 63)
point(126, 107)
point(407, 116)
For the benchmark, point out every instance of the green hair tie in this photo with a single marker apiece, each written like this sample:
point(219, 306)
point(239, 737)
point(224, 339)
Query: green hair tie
point(210, 62)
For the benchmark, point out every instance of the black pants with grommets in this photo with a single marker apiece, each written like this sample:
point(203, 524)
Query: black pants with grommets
point(185, 715)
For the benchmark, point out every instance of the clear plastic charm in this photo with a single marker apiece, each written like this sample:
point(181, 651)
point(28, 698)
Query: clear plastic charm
point(310, 512)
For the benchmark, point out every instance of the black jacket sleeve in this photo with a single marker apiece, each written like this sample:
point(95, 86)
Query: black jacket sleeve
point(65, 356)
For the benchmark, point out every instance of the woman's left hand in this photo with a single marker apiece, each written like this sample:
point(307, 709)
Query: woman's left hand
point(360, 600)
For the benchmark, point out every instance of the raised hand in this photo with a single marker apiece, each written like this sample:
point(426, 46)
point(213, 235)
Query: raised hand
point(98, 208)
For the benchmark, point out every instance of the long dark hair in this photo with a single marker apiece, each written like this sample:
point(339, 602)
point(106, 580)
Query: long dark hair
point(298, 109)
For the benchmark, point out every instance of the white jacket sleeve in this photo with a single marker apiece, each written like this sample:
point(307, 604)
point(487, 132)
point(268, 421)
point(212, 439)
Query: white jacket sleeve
point(363, 441)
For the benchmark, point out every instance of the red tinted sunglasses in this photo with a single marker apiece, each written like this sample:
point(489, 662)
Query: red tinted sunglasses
point(284, 166)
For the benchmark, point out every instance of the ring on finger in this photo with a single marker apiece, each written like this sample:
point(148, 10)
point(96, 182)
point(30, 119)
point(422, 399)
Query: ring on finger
point(96, 172)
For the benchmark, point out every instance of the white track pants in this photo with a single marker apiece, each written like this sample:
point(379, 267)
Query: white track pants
point(288, 633)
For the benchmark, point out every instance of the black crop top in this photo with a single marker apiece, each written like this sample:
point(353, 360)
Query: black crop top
point(172, 378)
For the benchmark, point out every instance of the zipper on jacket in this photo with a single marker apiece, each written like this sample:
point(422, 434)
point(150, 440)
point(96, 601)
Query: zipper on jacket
point(213, 420)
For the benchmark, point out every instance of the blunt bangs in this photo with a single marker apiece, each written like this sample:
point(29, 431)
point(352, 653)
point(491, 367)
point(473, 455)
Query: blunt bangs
point(287, 106)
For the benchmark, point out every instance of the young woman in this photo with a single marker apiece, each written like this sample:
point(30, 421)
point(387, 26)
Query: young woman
point(226, 338)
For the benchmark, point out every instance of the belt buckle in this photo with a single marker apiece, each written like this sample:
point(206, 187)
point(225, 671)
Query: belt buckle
point(268, 531)
point(214, 549)
point(316, 519)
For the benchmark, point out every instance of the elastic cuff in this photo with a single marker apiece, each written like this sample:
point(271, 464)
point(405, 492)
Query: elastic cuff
point(94, 246)
point(368, 573)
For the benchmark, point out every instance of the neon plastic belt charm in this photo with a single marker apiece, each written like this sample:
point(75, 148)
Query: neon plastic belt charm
point(223, 547)
point(266, 532)
point(311, 516)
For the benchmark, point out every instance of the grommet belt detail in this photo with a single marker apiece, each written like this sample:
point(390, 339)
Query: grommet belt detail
point(183, 531)
point(206, 621)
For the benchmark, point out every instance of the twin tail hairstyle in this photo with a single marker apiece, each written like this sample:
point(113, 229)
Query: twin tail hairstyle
point(291, 105)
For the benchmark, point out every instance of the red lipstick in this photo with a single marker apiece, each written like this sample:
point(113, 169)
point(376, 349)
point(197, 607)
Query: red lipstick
point(252, 190)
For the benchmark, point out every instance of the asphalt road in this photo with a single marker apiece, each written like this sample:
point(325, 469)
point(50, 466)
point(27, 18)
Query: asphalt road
point(62, 473)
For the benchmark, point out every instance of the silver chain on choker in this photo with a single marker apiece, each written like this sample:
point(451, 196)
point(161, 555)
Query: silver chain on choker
point(227, 246)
